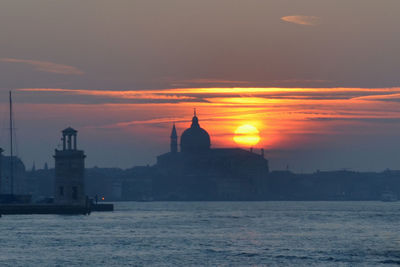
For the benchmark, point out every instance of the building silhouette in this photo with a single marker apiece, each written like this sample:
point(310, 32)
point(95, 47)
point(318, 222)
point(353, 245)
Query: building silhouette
point(200, 172)
point(174, 140)
point(195, 172)
point(19, 175)
point(69, 171)
point(195, 139)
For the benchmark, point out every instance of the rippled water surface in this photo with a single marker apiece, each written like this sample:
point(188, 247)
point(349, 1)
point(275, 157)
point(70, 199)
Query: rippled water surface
point(208, 233)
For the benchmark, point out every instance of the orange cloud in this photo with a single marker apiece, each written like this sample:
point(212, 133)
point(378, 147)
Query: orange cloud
point(221, 82)
point(46, 66)
point(237, 94)
point(257, 90)
point(302, 20)
point(130, 94)
point(287, 118)
point(387, 97)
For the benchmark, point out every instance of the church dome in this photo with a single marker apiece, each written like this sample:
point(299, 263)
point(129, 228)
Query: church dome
point(195, 138)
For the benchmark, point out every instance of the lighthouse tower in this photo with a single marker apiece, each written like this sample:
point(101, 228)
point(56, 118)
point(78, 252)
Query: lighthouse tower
point(69, 171)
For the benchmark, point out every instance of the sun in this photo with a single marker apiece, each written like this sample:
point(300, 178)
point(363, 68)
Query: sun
point(247, 135)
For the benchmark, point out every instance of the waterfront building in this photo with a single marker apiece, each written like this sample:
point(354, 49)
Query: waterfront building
point(19, 176)
point(69, 171)
point(199, 171)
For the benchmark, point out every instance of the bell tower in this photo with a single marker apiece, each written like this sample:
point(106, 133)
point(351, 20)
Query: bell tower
point(69, 171)
point(174, 140)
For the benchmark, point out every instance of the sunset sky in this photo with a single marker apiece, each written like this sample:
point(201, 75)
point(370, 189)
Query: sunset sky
point(320, 80)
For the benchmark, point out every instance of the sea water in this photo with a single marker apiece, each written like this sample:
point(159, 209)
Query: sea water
point(208, 234)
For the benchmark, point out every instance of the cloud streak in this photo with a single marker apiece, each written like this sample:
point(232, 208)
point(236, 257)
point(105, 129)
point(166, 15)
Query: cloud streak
point(232, 83)
point(302, 20)
point(237, 94)
point(297, 105)
point(46, 66)
point(287, 118)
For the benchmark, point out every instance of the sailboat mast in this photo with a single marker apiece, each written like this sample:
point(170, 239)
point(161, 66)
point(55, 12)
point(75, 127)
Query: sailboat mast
point(11, 149)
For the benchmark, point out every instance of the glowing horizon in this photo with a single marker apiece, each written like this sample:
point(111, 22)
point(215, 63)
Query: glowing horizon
point(288, 112)
point(288, 119)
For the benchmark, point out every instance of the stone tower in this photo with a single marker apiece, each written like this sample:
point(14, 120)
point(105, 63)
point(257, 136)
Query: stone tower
point(174, 140)
point(69, 171)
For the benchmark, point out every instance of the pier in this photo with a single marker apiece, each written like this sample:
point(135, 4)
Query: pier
point(25, 209)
